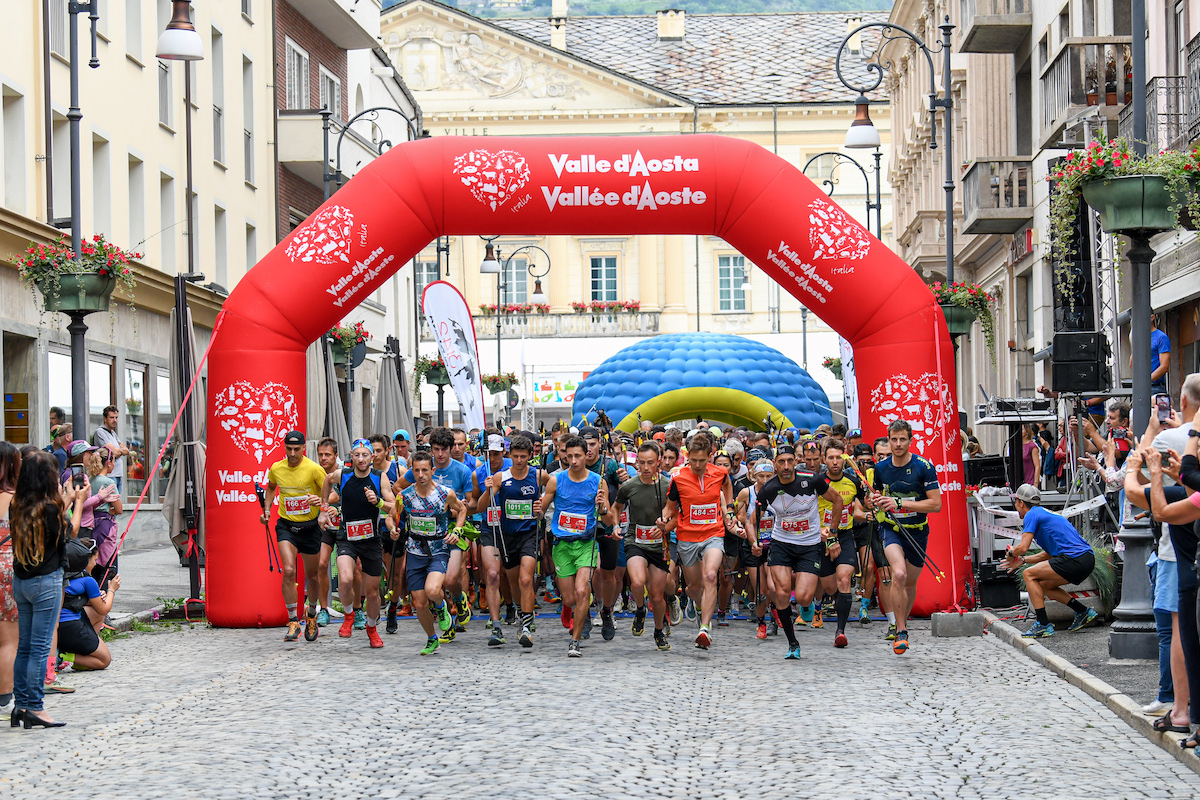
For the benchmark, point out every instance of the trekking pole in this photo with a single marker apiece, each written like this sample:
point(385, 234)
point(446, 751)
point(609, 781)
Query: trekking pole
point(262, 502)
point(929, 563)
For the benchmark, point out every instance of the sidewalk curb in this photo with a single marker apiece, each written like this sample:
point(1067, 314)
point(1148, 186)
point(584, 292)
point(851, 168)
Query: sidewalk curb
point(125, 623)
point(1120, 704)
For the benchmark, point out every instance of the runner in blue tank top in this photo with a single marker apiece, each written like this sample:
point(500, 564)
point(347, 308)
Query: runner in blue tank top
point(578, 495)
point(516, 493)
point(485, 551)
point(426, 511)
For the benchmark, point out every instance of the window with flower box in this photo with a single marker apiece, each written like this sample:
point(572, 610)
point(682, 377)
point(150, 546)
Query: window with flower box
point(604, 278)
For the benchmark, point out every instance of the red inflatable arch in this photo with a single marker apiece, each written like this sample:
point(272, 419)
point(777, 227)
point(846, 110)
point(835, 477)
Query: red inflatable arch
point(696, 184)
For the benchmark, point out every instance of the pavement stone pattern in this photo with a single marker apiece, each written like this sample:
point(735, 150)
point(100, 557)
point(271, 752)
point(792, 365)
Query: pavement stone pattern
point(241, 714)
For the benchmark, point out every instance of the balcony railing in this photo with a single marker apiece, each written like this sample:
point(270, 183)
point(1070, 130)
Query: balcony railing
point(641, 323)
point(997, 196)
point(995, 26)
point(1094, 72)
point(1166, 114)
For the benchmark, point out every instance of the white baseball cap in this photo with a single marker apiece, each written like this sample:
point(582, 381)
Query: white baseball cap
point(495, 443)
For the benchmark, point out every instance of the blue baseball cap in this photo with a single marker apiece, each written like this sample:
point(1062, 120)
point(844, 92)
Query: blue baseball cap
point(401, 434)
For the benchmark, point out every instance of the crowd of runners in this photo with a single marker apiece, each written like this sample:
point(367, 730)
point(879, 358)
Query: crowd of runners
point(783, 528)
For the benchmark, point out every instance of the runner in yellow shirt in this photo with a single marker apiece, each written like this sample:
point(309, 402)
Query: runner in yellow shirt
point(298, 480)
point(837, 573)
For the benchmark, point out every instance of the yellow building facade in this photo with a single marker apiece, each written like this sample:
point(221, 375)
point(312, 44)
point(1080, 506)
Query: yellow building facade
point(766, 78)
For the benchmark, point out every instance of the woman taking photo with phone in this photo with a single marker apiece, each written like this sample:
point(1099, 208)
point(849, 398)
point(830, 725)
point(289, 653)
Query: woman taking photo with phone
point(40, 530)
point(10, 464)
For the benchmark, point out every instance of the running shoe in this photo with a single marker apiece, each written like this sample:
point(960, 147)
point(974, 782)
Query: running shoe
point(445, 621)
point(840, 639)
point(1040, 630)
point(392, 625)
point(497, 637)
point(900, 646)
point(690, 611)
point(360, 619)
point(574, 649)
point(430, 646)
point(525, 639)
point(293, 631)
point(510, 616)
point(863, 617)
point(667, 628)
point(464, 611)
point(373, 636)
point(798, 619)
point(722, 622)
point(587, 624)
point(891, 633)
point(447, 636)
point(567, 616)
point(772, 625)
point(818, 621)
point(310, 627)
point(533, 625)
point(406, 610)
point(1081, 621)
point(458, 628)
point(608, 628)
point(639, 622)
point(793, 653)
point(762, 630)
point(322, 618)
point(674, 610)
point(660, 639)
point(347, 626)
point(703, 638)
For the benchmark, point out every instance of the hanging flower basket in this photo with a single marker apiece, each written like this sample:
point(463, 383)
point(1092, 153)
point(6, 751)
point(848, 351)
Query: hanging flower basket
point(962, 304)
point(1133, 202)
point(959, 319)
point(437, 376)
point(834, 365)
point(85, 285)
point(432, 370)
point(349, 343)
point(500, 383)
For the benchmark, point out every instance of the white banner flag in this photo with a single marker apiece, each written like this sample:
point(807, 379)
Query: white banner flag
point(849, 384)
point(450, 320)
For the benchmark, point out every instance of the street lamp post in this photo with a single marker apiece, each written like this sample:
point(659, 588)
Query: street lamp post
point(328, 178)
point(830, 183)
point(862, 133)
point(77, 327)
point(180, 42)
point(492, 266)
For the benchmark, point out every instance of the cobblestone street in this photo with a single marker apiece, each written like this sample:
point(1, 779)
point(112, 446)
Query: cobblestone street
point(239, 713)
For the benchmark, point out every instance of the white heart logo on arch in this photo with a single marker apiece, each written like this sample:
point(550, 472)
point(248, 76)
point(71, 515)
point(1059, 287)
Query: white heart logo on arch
point(256, 417)
point(492, 178)
point(922, 402)
point(832, 234)
point(324, 238)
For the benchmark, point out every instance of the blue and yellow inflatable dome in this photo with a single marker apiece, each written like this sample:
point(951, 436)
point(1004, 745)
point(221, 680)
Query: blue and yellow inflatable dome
point(724, 378)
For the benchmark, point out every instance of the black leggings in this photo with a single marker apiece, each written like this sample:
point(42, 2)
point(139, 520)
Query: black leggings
point(1189, 637)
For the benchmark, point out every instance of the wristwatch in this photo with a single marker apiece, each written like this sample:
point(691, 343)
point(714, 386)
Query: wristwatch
point(1193, 432)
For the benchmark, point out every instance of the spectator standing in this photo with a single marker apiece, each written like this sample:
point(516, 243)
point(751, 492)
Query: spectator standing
point(40, 532)
point(60, 441)
point(1160, 357)
point(56, 416)
point(1031, 456)
point(104, 527)
point(10, 464)
point(106, 436)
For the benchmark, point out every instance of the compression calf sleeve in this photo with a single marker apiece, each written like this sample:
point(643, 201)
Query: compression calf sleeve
point(842, 603)
point(785, 622)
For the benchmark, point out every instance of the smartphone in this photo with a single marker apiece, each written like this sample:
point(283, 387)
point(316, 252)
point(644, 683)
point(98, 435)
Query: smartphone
point(78, 479)
point(1163, 403)
point(1119, 433)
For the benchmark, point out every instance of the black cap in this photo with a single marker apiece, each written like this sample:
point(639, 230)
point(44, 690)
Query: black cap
point(589, 433)
point(863, 449)
point(785, 449)
point(78, 553)
point(293, 437)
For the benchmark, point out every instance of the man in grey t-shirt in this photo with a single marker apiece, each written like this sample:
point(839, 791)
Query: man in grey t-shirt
point(106, 436)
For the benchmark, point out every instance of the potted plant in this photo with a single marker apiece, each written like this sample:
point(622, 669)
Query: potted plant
point(346, 340)
point(487, 309)
point(962, 303)
point(541, 308)
point(431, 369)
point(578, 307)
point(834, 365)
point(83, 285)
point(133, 406)
point(631, 306)
point(501, 382)
point(1156, 192)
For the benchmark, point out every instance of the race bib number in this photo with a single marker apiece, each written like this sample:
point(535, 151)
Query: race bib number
point(295, 506)
point(827, 518)
point(794, 524)
point(765, 526)
point(422, 526)
point(647, 534)
point(518, 509)
point(575, 523)
point(357, 531)
point(493, 516)
point(706, 514)
point(625, 518)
